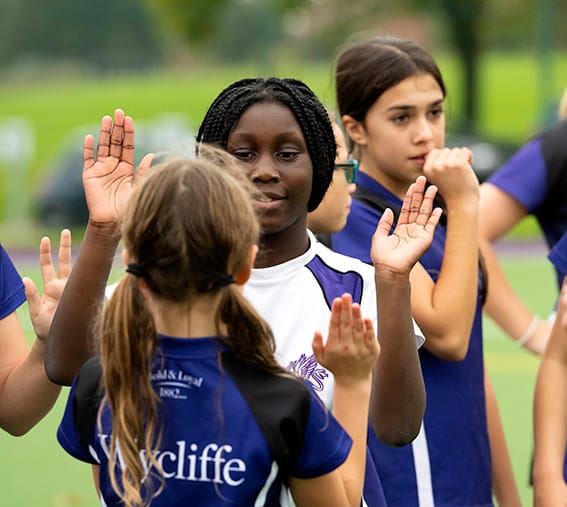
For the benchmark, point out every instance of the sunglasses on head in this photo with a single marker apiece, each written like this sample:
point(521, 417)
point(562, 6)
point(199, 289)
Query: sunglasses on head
point(350, 168)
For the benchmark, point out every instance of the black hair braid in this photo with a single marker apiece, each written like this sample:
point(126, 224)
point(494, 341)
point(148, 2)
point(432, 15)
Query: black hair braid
point(313, 119)
point(222, 115)
point(317, 130)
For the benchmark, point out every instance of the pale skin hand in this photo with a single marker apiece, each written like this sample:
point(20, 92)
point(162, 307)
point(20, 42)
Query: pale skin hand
point(450, 170)
point(351, 349)
point(398, 252)
point(42, 308)
point(109, 181)
point(26, 393)
point(350, 353)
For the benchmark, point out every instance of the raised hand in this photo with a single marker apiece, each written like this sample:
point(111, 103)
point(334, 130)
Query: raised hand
point(351, 349)
point(42, 308)
point(398, 252)
point(109, 181)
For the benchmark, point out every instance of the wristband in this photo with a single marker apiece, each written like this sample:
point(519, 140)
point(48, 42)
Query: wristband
point(529, 332)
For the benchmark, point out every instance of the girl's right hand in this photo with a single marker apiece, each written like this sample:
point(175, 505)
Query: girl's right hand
point(351, 349)
point(109, 181)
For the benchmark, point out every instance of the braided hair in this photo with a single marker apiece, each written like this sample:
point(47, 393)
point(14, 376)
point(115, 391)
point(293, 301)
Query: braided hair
point(312, 116)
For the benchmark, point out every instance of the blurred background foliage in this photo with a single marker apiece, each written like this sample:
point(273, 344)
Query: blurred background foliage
point(66, 63)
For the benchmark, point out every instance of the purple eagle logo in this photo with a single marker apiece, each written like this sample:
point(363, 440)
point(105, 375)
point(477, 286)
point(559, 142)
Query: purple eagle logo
point(308, 369)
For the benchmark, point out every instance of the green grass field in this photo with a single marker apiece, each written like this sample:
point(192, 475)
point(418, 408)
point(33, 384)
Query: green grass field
point(36, 471)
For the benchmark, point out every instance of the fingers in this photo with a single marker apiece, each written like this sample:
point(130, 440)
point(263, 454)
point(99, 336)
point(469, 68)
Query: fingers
point(144, 167)
point(88, 152)
point(415, 198)
point(45, 261)
point(418, 204)
point(447, 161)
point(370, 341)
point(127, 145)
point(64, 255)
point(117, 135)
point(433, 220)
point(412, 201)
point(116, 138)
point(425, 206)
point(346, 318)
point(103, 148)
point(318, 347)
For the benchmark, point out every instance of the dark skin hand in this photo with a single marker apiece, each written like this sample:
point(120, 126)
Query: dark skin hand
point(108, 184)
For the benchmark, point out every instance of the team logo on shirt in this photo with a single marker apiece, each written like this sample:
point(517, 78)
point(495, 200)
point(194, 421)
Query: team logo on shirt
point(174, 384)
point(309, 369)
point(189, 462)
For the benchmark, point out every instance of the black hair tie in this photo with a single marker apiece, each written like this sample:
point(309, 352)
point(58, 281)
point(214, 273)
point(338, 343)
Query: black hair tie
point(222, 282)
point(136, 270)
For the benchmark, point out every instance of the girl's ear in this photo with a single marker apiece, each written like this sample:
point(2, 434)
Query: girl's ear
point(244, 274)
point(141, 282)
point(125, 257)
point(355, 130)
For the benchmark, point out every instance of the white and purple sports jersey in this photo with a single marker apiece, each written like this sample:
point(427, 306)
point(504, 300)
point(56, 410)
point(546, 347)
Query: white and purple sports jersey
point(219, 429)
point(12, 293)
point(295, 298)
point(448, 464)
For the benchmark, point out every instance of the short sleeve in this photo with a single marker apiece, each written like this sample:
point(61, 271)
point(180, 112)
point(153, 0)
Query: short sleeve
point(326, 444)
point(12, 292)
point(67, 434)
point(524, 176)
point(558, 255)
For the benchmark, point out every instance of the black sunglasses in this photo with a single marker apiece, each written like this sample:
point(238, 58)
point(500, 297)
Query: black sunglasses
point(350, 168)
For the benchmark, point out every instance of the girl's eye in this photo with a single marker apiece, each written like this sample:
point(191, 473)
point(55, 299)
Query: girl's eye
point(243, 155)
point(398, 120)
point(436, 113)
point(287, 155)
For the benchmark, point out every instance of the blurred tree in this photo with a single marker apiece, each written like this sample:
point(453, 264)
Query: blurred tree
point(105, 33)
point(196, 21)
point(248, 31)
point(463, 18)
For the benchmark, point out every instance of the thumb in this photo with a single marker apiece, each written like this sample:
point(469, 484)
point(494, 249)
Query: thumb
point(144, 167)
point(385, 223)
point(317, 346)
point(32, 294)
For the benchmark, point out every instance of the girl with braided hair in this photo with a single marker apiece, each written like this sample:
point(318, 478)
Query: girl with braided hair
point(282, 134)
point(179, 329)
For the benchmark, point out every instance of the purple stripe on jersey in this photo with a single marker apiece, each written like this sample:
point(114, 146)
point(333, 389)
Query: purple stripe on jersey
point(335, 283)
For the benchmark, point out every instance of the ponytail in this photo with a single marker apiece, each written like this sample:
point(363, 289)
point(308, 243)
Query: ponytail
point(128, 346)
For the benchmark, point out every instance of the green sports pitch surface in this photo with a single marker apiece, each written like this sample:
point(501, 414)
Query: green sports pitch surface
point(36, 472)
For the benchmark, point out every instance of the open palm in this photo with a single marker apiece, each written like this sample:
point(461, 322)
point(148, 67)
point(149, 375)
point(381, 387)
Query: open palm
point(42, 307)
point(398, 252)
point(109, 180)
